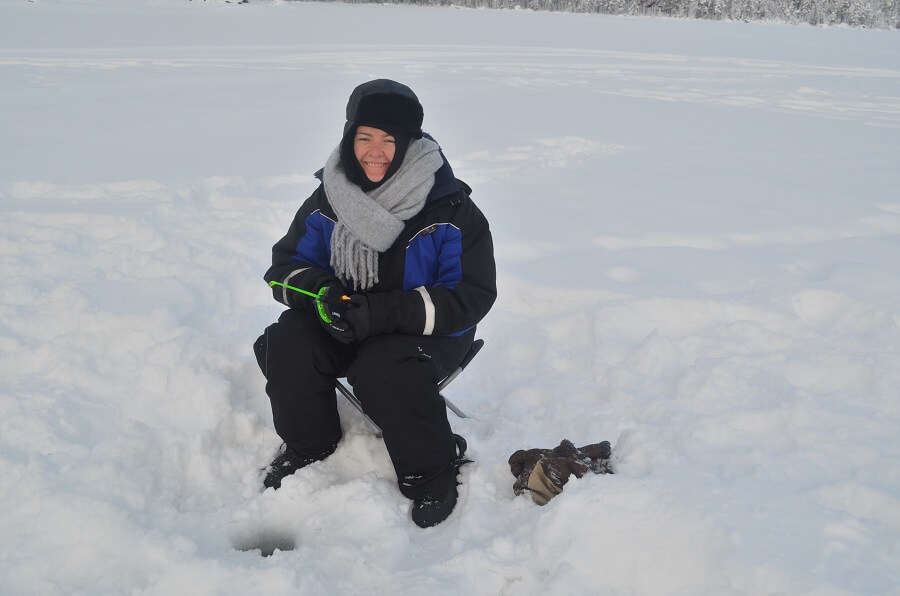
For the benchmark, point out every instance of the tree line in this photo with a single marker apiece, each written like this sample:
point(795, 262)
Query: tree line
point(881, 14)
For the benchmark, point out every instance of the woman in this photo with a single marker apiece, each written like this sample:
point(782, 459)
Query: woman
point(402, 263)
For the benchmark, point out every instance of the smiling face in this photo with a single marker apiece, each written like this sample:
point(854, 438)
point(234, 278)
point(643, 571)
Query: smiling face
point(374, 149)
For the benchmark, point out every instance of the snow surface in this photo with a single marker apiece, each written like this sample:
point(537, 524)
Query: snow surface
point(697, 229)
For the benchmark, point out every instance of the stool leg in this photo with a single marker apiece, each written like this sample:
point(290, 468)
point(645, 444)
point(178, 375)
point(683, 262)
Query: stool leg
point(356, 404)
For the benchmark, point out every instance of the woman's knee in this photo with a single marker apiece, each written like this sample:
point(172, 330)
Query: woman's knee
point(392, 370)
point(291, 343)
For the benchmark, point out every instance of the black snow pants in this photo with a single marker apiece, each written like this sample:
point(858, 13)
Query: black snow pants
point(394, 377)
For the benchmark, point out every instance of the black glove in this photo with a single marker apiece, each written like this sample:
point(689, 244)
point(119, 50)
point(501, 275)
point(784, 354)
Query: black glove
point(359, 317)
point(378, 313)
point(331, 308)
point(310, 280)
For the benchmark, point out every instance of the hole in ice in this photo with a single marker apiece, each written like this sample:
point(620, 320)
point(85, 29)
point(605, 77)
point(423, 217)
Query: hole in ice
point(266, 542)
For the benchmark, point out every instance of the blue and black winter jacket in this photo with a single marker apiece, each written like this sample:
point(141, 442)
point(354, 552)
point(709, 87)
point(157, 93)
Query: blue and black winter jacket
point(438, 278)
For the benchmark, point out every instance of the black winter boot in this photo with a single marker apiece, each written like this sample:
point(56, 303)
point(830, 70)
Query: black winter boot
point(286, 463)
point(440, 494)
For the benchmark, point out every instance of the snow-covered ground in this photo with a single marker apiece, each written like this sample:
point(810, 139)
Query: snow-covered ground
point(697, 229)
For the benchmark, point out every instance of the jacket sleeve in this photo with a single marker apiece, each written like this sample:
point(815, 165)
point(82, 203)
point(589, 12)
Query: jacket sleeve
point(457, 309)
point(301, 257)
point(450, 308)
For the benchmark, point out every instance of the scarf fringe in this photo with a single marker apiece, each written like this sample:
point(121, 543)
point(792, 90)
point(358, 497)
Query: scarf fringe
point(352, 260)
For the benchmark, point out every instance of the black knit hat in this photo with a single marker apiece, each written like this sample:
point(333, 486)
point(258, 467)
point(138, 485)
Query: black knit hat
point(386, 105)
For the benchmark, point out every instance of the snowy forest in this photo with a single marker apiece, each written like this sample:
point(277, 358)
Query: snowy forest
point(883, 14)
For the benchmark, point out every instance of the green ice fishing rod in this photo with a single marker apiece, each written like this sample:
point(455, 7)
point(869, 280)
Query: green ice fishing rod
point(320, 296)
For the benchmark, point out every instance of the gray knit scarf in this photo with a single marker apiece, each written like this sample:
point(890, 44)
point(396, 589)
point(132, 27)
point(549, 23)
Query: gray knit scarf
point(369, 223)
